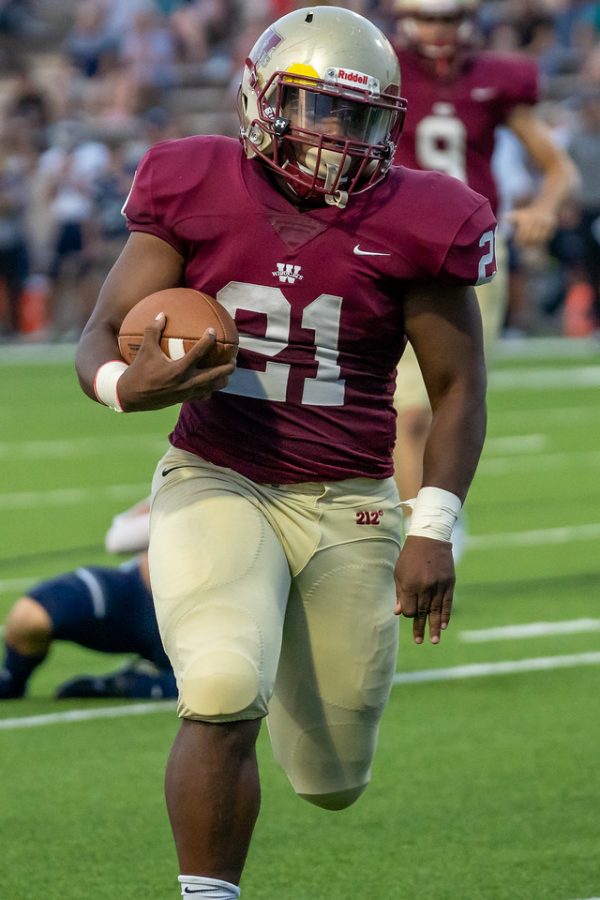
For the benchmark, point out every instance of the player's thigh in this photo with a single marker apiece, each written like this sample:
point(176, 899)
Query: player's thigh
point(220, 582)
point(337, 664)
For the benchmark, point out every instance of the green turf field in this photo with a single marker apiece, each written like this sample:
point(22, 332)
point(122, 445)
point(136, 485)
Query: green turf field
point(486, 784)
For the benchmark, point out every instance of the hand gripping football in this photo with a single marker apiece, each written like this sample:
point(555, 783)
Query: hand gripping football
point(189, 313)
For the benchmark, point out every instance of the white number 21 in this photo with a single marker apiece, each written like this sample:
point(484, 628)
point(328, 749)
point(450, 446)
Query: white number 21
point(326, 388)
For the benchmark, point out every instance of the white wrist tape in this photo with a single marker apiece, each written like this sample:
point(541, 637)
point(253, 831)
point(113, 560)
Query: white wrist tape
point(106, 381)
point(434, 513)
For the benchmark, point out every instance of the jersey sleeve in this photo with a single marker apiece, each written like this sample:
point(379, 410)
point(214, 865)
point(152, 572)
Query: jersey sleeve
point(471, 257)
point(148, 205)
point(520, 82)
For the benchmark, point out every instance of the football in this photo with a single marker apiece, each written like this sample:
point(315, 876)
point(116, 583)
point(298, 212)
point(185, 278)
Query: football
point(188, 313)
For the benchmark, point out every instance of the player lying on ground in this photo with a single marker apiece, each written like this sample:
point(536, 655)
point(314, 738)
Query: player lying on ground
point(105, 609)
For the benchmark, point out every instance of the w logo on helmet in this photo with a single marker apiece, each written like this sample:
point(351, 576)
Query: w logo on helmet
point(288, 273)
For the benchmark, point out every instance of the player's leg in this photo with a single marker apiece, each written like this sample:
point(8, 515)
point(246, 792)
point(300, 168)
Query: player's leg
point(115, 614)
point(136, 680)
point(69, 607)
point(339, 650)
point(27, 639)
point(220, 581)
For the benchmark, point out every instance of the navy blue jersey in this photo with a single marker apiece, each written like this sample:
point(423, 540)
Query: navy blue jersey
point(106, 609)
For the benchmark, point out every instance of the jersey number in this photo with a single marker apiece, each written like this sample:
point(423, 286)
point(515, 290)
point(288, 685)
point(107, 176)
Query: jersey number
point(487, 240)
point(322, 316)
point(440, 144)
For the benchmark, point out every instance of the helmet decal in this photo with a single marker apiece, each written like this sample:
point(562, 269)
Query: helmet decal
point(349, 76)
point(264, 48)
point(320, 102)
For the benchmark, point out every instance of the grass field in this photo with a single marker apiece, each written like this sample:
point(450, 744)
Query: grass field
point(486, 784)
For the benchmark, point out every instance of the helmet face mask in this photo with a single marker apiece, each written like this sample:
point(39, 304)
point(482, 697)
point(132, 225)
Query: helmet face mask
point(320, 103)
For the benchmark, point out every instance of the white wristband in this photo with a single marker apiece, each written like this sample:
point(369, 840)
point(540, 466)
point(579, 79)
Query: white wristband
point(434, 513)
point(106, 381)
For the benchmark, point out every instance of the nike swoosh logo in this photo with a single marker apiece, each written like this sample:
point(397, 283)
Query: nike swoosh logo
point(483, 93)
point(188, 890)
point(360, 252)
point(166, 472)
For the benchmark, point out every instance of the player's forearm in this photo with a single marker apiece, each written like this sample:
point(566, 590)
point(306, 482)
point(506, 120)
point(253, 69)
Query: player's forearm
point(98, 344)
point(456, 439)
point(559, 182)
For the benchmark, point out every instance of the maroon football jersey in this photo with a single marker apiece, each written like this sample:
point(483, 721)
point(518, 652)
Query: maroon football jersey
point(316, 296)
point(450, 122)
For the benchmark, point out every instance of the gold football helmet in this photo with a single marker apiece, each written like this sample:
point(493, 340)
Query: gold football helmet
point(320, 102)
point(461, 12)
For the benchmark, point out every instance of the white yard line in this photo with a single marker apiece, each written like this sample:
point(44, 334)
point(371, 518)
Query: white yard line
point(529, 630)
point(504, 465)
point(511, 667)
point(17, 584)
point(557, 347)
point(538, 537)
point(60, 449)
point(551, 415)
point(517, 443)
point(72, 496)
point(476, 670)
point(85, 715)
point(541, 379)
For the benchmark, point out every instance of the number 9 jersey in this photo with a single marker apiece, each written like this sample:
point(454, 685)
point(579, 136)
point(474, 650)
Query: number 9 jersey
point(317, 297)
point(451, 121)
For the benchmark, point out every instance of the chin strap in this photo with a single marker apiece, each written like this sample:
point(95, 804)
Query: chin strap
point(339, 199)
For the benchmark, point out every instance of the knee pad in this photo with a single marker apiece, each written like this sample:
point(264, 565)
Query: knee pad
point(337, 800)
point(217, 685)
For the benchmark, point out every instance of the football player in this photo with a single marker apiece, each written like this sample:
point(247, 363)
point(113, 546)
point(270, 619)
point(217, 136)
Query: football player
point(105, 609)
point(458, 95)
point(275, 528)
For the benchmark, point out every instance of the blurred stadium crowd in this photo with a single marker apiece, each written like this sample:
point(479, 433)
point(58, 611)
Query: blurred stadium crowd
point(86, 86)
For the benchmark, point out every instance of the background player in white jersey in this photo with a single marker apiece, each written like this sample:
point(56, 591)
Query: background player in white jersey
point(458, 95)
point(275, 546)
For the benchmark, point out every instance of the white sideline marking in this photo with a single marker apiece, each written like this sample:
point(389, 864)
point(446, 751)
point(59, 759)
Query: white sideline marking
point(553, 415)
point(534, 538)
point(480, 670)
point(84, 715)
point(71, 496)
point(529, 630)
point(59, 449)
point(517, 443)
point(558, 347)
point(17, 584)
point(512, 464)
point(477, 670)
point(541, 379)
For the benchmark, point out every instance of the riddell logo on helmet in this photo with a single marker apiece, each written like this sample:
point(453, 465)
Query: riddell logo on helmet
point(358, 77)
point(352, 77)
